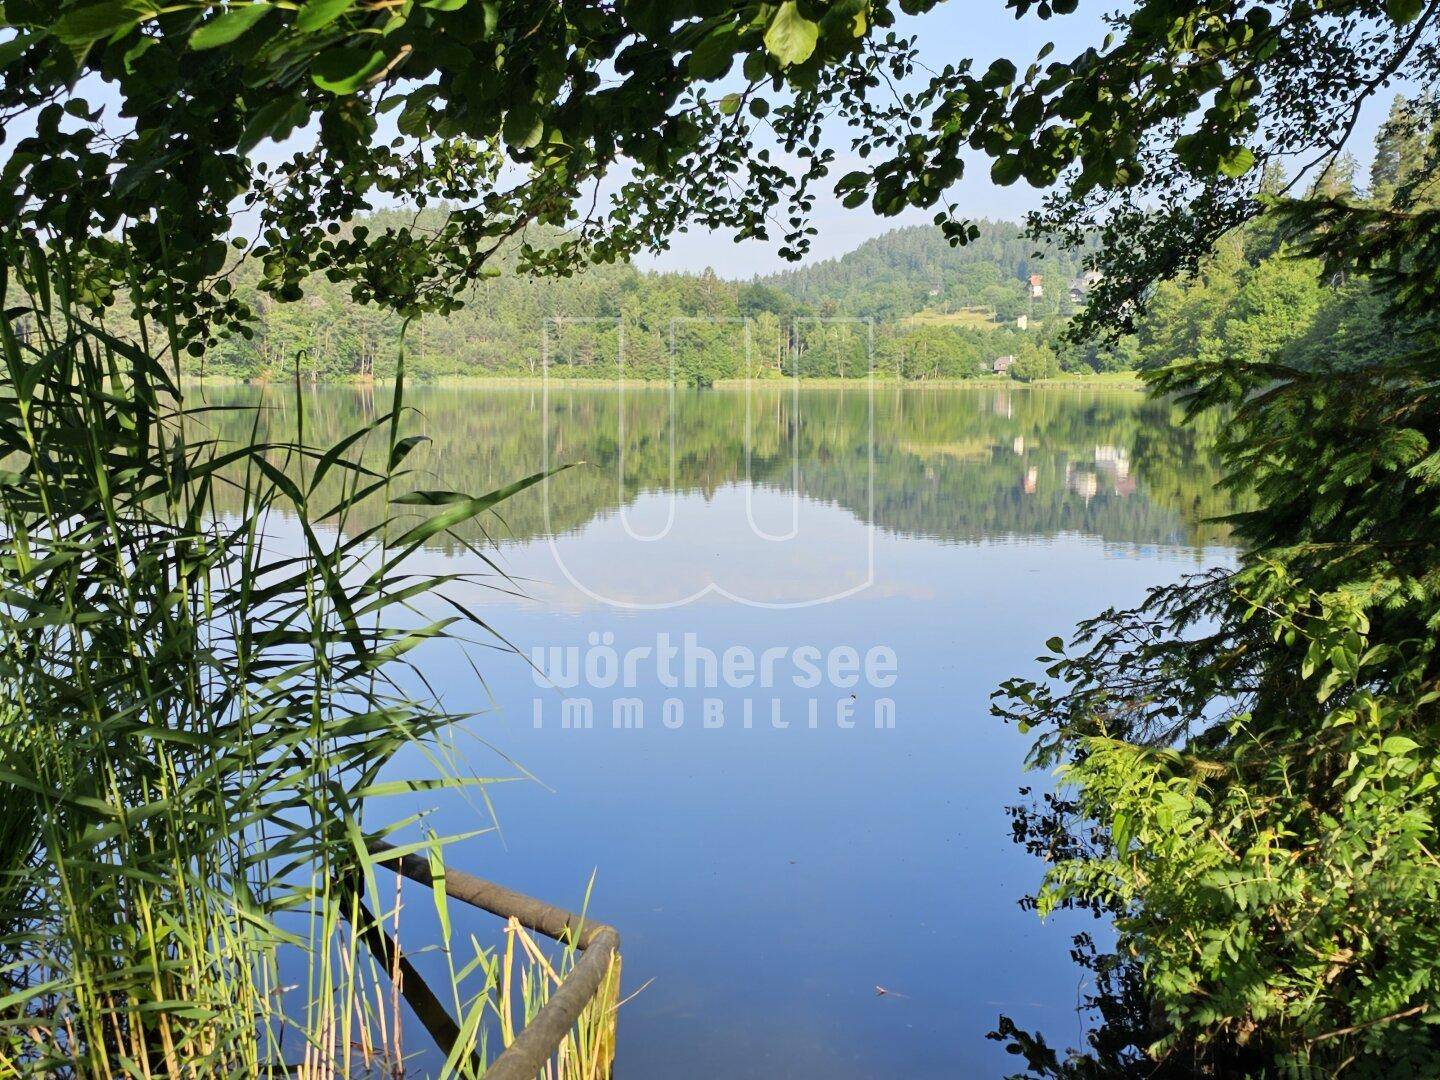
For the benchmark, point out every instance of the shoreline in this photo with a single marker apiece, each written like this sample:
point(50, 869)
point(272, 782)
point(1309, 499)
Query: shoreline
point(1108, 381)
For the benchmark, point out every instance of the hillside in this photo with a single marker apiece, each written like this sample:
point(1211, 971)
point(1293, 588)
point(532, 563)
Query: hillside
point(915, 269)
point(693, 322)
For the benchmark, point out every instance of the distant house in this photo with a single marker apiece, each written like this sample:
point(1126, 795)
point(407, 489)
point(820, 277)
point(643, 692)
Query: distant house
point(1037, 286)
point(1023, 322)
point(1002, 364)
point(1081, 286)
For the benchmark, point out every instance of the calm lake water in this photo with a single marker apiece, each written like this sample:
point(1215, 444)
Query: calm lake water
point(774, 843)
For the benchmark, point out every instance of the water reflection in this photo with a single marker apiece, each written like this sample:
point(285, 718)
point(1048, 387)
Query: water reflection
point(951, 465)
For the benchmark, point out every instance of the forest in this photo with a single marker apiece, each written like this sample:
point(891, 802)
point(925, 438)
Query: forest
point(905, 305)
point(1255, 296)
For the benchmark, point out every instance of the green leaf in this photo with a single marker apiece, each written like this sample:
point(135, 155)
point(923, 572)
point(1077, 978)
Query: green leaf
point(1399, 744)
point(401, 449)
point(1006, 170)
point(730, 104)
point(94, 22)
point(15, 47)
point(136, 51)
point(713, 57)
point(344, 70)
point(1055, 644)
point(1238, 162)
point(1403, 11)
point(523, 128)
point(791, 37)
point(459, 508)
point(318, 14)
point(428, 497)
point(228, 26)
point(274, 119)
point(1000, 73)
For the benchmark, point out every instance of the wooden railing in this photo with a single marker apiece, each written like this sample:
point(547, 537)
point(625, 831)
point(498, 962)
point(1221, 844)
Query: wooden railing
point(538, 1041)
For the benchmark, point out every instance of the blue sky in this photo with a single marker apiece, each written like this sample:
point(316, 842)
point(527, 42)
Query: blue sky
point(983, 30)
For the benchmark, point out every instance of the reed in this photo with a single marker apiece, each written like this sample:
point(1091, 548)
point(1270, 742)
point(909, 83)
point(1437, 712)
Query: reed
point(197, 713)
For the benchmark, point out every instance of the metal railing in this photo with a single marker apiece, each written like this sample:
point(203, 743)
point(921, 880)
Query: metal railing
point(538, 1041)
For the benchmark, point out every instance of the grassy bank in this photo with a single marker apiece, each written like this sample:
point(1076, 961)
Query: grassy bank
point(1120, 380)
point(1114, 380)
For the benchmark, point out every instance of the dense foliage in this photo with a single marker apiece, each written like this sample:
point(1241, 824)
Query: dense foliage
point(1251, 296)
point(688, 325)
point(512, 115)
point(917, 270)
point(1160, 139)
point(934, 311)
point(691, 326)
point(515, 117)
point(1250, 759)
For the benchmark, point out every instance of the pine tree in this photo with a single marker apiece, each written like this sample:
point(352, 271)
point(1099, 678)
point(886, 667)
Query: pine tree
point(1338, 179)
point(1400, 149)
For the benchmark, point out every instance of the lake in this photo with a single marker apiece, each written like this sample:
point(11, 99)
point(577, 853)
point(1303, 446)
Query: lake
point(770, 624)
